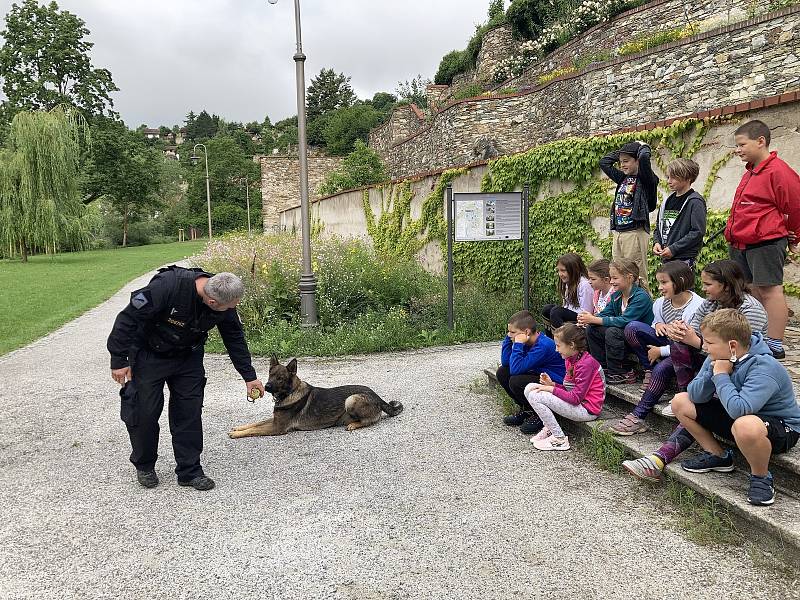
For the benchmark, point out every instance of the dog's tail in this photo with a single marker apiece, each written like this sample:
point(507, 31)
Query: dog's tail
point(392, 408)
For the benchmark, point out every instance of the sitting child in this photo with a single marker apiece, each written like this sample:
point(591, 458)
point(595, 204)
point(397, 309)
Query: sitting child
point(600, 280)
point(630, 302)
point(742, 393)
point(651, 344)
point(524, 356)
point(574, 289)
point(581, 396)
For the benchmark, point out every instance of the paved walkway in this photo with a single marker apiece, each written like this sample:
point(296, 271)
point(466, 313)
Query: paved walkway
point(439, 502)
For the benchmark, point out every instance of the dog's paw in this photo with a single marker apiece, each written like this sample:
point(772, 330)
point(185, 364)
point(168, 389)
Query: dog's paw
point(232, 434)
point(353, 426)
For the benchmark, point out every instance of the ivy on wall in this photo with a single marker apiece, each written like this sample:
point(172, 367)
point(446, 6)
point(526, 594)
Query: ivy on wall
point(558, 224)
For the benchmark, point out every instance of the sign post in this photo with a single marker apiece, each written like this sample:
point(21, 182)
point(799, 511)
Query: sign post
point(478, 217)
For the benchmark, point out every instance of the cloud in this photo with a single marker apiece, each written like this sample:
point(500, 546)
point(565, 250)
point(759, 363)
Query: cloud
point(234, 57)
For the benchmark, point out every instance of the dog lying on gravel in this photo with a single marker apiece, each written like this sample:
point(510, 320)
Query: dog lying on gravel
point(300, 406)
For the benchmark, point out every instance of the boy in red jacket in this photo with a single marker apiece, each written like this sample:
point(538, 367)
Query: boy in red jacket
point(765, 216)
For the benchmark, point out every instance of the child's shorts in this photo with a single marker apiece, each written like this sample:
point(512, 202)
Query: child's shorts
point(713, 417)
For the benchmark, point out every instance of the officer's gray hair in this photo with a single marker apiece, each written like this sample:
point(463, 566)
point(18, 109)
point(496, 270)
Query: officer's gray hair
point(224, 288)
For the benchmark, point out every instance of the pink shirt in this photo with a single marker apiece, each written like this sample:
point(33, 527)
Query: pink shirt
point(585, 381)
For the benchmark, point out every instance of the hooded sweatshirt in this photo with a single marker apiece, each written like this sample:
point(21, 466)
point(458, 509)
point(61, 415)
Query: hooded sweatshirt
point(685, 237)
point(759, 385)
point(645, 195)
point(766, 193)
point(583, 384)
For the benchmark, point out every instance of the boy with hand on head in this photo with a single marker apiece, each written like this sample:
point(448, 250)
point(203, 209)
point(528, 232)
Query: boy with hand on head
point(764, 220)
point(524, 356)
point(681, 222)
point(741, 393)
point(635, 198)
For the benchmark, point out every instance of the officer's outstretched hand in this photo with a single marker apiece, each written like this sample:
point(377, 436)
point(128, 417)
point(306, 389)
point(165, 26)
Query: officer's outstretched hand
point(121, 375)
point(255, 389)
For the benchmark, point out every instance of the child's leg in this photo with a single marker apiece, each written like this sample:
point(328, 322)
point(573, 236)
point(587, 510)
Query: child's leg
point(560, 315)
point(503, 375)
point(659, 380)
point(615, 350)
point(684, 361)
point(517, 383)
point(640, 335)
point(547, 311)
point(596, 338)
point(686, 412)
point(750, 435)
point(545, 404)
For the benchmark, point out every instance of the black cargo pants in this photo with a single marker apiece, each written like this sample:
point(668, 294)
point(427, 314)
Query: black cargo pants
point(143, 402)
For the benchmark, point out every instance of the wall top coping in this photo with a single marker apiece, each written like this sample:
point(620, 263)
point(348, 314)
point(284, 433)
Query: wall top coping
point(723, 30)
point(767, 102)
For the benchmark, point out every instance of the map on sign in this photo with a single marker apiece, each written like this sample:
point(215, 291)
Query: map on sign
point(482, 217)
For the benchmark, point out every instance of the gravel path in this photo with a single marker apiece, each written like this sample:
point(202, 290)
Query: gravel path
point(442, 501)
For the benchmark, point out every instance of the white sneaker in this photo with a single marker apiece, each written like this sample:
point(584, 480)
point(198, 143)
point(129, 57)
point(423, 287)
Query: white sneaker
point(552, 443)
point(667, 410)
point(542, 435)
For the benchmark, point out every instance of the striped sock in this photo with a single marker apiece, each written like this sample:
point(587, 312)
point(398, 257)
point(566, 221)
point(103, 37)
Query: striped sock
point(774, 345)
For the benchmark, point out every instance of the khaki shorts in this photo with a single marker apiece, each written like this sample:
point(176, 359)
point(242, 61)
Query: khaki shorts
point(634, 245)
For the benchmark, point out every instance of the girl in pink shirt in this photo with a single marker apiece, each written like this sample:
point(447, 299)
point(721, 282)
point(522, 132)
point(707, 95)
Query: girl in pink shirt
point(579, 398)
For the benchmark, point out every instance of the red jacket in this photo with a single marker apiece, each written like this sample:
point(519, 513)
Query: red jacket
point(767, 195)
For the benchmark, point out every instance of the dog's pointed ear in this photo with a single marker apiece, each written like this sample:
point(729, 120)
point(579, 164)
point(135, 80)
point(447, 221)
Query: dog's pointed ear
point(292, 367)
point(273, 360)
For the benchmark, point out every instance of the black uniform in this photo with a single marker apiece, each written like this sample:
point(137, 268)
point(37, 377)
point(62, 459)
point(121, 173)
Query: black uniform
point(160, 335)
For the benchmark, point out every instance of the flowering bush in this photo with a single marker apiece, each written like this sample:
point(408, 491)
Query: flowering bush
point(366, 302)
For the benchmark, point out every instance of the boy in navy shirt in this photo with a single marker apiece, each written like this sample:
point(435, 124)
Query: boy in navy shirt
point(524, 356)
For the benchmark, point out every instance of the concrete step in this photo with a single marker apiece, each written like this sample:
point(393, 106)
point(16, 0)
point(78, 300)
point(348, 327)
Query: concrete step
point(777, 526)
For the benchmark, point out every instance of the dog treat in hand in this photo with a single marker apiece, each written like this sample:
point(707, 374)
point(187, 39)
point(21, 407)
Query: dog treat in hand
point(255, 394)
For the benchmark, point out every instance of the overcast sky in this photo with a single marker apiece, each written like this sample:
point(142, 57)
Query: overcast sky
point(234, 57)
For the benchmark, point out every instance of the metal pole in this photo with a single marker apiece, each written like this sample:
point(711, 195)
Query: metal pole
point(208, 186)
point(526, 286)
point(308, 284)
point(247, 198)
point(450, 290)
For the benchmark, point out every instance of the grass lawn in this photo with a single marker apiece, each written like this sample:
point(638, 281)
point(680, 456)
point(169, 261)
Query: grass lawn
point(48, 291)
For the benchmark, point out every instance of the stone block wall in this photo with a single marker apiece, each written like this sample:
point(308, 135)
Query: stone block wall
point(280, 183)
point(497, 45)
point(734, 64)
point(404, 121)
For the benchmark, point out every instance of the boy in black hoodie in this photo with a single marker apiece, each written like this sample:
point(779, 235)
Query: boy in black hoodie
point(635, 198)
point(681, 222)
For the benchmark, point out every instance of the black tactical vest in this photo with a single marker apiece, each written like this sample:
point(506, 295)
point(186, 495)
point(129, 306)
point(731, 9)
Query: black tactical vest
point(176, 331)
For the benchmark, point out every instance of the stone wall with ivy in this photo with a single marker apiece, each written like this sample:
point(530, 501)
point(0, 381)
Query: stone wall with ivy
point(570, 210)
point(724, 66)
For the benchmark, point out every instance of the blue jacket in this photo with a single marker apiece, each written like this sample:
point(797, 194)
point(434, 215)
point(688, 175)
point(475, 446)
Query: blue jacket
point(541, 357)
point(639, 308)
point(759, 385)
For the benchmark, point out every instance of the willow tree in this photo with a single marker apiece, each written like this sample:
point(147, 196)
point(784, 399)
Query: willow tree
point(40, 203)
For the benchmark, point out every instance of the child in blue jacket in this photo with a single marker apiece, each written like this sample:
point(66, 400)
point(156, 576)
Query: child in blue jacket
point(524, 356)
point(606, 330)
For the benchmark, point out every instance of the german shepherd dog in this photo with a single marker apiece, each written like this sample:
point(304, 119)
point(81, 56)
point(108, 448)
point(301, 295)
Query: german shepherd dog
point(300, 406)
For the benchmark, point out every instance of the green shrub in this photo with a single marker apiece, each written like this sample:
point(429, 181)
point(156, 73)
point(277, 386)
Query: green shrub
point(363, 166)
point(468, 91)
point(452, 64)
point(526, 18)
point(651, 40)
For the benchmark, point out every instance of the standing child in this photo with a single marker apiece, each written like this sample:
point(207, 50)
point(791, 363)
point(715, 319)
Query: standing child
point(764, 214)
point(606, 330)
point(524, 356)
point(651, 344)
point(741, 393)
point(574, 289)
point(600, 279)
point(635, 198)
point(681, 222)
point(581, 396)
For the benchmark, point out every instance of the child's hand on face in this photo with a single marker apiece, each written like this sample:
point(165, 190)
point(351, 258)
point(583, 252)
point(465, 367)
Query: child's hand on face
point(521, 338)
point(723, 366)
point(544, 379)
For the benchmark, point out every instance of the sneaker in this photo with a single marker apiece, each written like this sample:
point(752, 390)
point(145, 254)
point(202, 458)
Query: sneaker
point(542, 435)
point(705, 462)
point(147, 479)
point(629, 425)
point(552, 443)
point(517, 419)
point(667, 410)
point(643, 468)
point(762, 492)
point(532, 425)
point(779, 355)
point(621, 378)
point(648, 375)
point(201, 483)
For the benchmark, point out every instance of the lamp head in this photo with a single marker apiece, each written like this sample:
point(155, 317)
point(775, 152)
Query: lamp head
point(194, 158)
point(272, 1)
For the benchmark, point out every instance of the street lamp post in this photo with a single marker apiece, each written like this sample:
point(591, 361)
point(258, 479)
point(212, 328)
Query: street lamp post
point(308, 284)
point(194, 158)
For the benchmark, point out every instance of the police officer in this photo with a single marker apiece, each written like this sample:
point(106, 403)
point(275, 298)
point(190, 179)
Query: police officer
point(158, 338)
